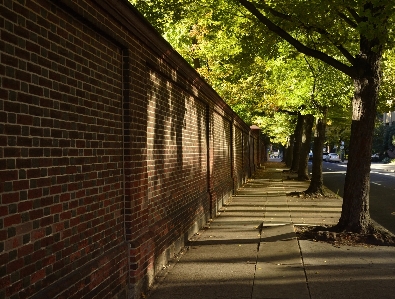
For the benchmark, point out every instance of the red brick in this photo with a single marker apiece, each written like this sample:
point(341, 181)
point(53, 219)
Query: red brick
point(15, 265)
point(44, 182)
point(8, 60)
point(8, 175)
point(33, 47)
point(49, 260)
point(46, 221)
point(37, 234)
point(24, 228)
point(23, 163)
point(3, 235)
point(33, 173)
point(28, 270)
point(38, 255)
point(9, 15)
point(57, 247)
point(58, 227)
point(65, 215)
point(12, 220)
point(25, 206)
point(3, 211)
point(12, 152)
point(47, 241)
point(13, 243)
point(35, 90)
point(34, 193)
point(11, 83)
point(33, 68)
point(25, 250)
point(24, 141)
point(8, 198)
point(14, 288)
point(35, 214)
point(5, 282)
point(55, 189)
point(21, 53)
point(3, 258)
point(20, 185)
point(65, 197)
point(3, 164)
point(56, 209)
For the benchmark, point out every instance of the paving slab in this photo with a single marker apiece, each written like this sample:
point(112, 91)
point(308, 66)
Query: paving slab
point(349, 271)
point(218, 264)
point(280, 272)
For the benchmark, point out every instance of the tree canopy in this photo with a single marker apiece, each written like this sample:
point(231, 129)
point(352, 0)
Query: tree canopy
point(256, 73)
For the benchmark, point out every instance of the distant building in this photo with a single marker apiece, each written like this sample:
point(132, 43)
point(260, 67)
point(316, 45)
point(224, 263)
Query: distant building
point(389, 118)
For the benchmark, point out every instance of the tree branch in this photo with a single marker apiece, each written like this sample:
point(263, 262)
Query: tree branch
point(288, 112)
point(347, 19)
point(346, 54)
point(274, 12)
point(297, 44)
point(342, 50)
point(354, 14)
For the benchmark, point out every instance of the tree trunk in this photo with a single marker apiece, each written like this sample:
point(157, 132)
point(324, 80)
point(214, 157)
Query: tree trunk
point(289, 151)
point(317, 181)
point(282, 150)
point(303, 171)
point(355, 215)
point(297, 143)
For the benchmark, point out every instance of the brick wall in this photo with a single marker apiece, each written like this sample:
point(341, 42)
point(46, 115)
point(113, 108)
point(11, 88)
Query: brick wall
point(239, 176)
point(113, 150)
point(221, 167)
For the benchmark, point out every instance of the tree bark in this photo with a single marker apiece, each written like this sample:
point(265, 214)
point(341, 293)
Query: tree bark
point(317, 181)
point(282, 150)
point(297, 143)
point(289, 151)
point(355, 215)
point(303, 172)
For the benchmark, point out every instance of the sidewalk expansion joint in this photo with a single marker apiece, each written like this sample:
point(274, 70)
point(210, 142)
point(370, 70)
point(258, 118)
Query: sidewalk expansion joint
point(304, 268)
point(260, 228)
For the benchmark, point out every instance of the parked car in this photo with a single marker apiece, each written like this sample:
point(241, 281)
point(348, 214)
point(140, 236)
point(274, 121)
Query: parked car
point(324, 155)
point(332, 157)
point(375, 158)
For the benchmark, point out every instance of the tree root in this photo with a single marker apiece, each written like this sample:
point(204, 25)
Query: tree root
point(376, 236)
point(306, 194)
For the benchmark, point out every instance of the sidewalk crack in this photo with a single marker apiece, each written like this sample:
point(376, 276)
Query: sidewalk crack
point(260, 227)
point(304, 268)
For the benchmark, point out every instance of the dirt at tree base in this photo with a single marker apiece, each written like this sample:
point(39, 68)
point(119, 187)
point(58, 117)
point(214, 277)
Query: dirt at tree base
point(377, 237)
point(314, 195)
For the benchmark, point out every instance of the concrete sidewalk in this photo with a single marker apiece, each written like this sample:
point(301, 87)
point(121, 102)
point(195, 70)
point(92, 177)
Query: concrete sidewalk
point(230, 259)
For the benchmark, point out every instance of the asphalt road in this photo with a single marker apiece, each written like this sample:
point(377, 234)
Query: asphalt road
point(382, 190)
